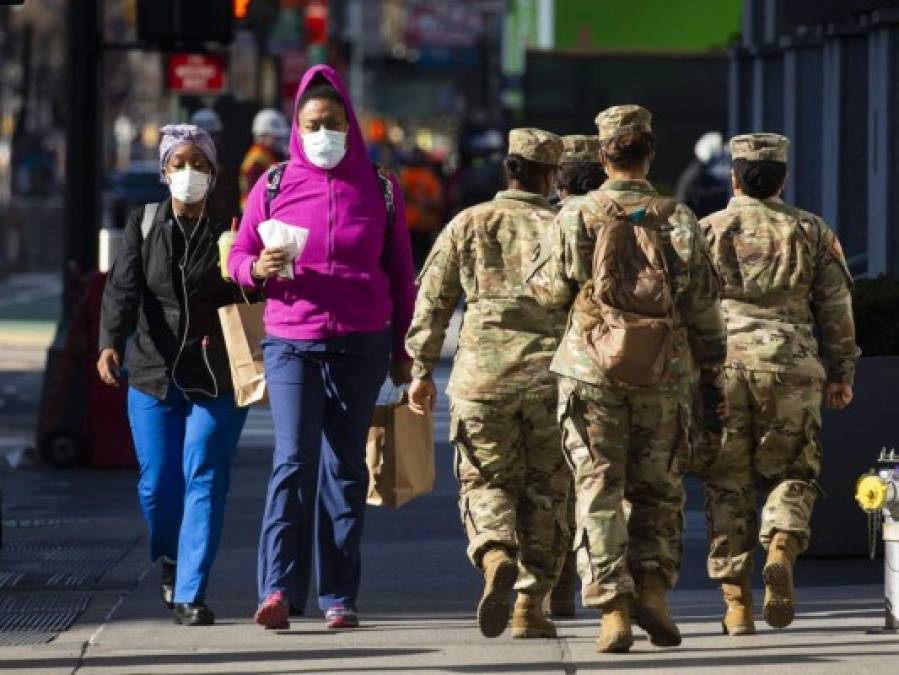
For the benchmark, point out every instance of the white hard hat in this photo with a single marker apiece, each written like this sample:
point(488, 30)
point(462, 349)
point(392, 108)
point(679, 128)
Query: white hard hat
point(709, 145)
point(270, 122)
point(208, 120)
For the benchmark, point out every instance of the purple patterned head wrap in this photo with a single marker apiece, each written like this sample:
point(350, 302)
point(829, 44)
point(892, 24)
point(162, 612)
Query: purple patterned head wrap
point(176, 135)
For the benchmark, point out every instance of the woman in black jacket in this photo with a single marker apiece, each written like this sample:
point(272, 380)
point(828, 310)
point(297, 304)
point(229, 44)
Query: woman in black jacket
point(164, 290)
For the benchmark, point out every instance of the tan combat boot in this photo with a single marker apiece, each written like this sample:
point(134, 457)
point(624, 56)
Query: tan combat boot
point(615, 636)
point(528, 620)
point(500, 574)
point(561, 600)
point(738, 598)
point(780, 600)
point(652, 610)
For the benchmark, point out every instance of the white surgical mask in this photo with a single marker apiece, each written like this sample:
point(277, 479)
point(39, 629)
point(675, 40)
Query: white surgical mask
point(189, 185)
point(324, 148)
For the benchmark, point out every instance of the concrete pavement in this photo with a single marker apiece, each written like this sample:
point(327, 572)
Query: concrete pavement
point(29, 304)
point(418, 597)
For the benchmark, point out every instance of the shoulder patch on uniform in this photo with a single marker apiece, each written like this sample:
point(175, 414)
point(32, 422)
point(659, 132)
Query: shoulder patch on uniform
point(837, 248)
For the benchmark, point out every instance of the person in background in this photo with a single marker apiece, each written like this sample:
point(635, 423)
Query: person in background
point(580, 172)
point(210, 122)
point(270, 134)
point(333, 331)
point(513, 482)
point(424, 203)
point(704, 186)
point(786, 292)
point(163, 291)
point(480, 172)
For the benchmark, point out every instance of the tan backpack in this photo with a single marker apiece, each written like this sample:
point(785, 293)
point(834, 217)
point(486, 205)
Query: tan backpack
point(631, 336)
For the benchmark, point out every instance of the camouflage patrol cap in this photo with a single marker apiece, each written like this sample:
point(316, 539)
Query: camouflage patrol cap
point(622, 119)
point(580, 149)
point(756, 147)
point(536, 145)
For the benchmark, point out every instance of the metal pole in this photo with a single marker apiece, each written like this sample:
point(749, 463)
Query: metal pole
point(83, 138)
point(61, 400)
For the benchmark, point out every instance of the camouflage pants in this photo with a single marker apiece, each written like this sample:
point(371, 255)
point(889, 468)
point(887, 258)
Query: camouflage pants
point(624, 443)
point(513, 483)
point(770, 444)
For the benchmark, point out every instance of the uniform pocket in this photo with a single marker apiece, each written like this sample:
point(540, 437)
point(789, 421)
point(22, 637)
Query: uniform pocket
point(789, 446)
point(454, 436)
point(581, 549)
point(468, 520)
point(682, 452)
point(575, 440)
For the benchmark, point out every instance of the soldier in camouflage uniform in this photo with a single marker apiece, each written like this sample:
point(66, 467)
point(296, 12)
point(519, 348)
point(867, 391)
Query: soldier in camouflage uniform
point(579, 172)
point(783, 274)
point(626, 441)
point(513, 478)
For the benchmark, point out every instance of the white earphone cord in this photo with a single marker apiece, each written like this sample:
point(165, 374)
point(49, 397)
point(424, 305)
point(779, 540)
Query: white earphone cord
point(182, 265)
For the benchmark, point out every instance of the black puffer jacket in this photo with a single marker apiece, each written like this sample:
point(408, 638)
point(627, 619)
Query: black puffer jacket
point(143, 298)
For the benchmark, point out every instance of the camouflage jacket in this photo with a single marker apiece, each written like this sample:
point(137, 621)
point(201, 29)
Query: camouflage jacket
point(782, 272)
point(507, 338)
point(556, 280)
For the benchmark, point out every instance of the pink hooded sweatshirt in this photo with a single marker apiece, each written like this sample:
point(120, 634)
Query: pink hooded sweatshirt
point(339, 284)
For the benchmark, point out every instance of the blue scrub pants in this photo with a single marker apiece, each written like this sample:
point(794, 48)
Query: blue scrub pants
point(322, 396)
point(184, 449)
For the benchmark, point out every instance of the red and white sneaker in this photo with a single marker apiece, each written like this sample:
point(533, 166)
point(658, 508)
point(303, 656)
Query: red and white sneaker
point(339, 616)
point(273, 613)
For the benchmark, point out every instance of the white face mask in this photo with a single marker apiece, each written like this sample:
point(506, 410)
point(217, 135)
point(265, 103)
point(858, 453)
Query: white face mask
point(324, 148)
point(189, 185)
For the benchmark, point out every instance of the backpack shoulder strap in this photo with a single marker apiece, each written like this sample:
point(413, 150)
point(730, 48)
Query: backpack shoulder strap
point(662, 208)
point(148, 219)
point(386, 184)
point(608, 206)
point(273, 184)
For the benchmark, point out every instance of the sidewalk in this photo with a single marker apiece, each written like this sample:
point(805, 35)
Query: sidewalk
point(29, 307)
point(75, 550)
point(418, 599)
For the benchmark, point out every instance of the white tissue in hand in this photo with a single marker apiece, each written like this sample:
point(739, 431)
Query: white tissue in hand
point(290, 238)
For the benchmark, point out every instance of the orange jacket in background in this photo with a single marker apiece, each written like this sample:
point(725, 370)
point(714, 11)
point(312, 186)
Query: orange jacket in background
point(424, 198)
point(255, 163)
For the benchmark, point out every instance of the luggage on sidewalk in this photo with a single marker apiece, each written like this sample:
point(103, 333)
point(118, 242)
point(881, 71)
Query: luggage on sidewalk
point(399, 454)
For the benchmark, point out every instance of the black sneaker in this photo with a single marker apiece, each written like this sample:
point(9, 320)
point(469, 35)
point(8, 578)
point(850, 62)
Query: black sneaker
point(193, 614)
point(167, 586)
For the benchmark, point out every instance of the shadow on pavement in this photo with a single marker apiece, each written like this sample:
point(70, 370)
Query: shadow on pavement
point(197, 659)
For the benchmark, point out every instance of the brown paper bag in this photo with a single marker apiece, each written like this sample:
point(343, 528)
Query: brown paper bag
point(399, 454)
point(243, 329)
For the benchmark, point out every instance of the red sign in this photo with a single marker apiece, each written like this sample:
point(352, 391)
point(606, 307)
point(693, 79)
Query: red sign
point(197, 73)
point(317, 22)
point(293, 64)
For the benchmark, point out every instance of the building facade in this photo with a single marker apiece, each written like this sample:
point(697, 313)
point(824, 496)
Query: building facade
point(827, 76)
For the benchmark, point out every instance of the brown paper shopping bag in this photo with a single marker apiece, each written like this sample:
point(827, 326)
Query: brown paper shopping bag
point(399, 454)
point(244, 330)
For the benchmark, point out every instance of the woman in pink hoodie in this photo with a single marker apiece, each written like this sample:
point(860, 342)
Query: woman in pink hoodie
point(331, 330)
